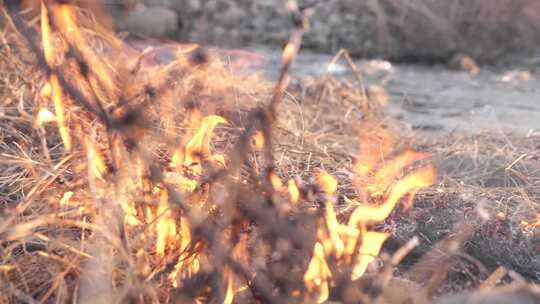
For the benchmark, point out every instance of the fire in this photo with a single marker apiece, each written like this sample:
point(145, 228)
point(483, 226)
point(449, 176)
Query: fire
point(229, 295)
point(65, 198)
point(352, 246)
point(44, 116)
point(96, 163)
point(318, 274)
point(327, 182)
point(187, 264)
point(98, 169)
point(340, 241)
point(55, 88)
point(166, 226)
point(290, 190)
point(258, 140)
point(66, 17)
point(374, 146)
point(276, 182)
point(197, 149)
point(531, 225)
point(388, 173)
point(331, 243)
point(189, 157)
point(371, 246)
point(240, 254)
point(294, 193)
point(128, 206)
point(369, 214)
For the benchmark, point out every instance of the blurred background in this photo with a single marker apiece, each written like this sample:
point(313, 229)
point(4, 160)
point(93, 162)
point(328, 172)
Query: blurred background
point(448, 65)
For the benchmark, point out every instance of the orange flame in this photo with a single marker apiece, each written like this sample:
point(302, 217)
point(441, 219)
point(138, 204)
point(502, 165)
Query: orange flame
point(45, 91)
point(191, 156)
point(394, 167)
point(66, 17)
point(186, 264)
point(165, 226)
point(229, 293)
point(65, 198)
point(46, 34)
point(367, 214)
point(341, 240)
point(375, 143)
point(56, 90)
point(333, 243)
point(382, 180)
point(294, 193)
point(532, 225)
point(96, 163)
point(318, 274)
point(240, 254)
point(258, 140)
point(126, 203)
point(327, 182)
point(371, 246)
point(44, 116)
point(276, 182)
point(197, 148)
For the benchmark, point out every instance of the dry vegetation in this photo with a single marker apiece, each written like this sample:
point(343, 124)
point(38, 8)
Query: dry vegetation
point(164, 183)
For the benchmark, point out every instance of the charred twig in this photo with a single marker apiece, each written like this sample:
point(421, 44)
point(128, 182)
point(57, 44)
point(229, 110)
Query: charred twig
point(299, 18)
point(290, 51)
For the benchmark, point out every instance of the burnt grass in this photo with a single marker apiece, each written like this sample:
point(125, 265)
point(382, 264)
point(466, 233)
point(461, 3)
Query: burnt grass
point(495, 243)
point(468, 180)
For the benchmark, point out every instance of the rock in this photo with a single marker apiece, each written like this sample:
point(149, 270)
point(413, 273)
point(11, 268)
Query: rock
point(464, 62)
point(152, 21)
point(232, 16)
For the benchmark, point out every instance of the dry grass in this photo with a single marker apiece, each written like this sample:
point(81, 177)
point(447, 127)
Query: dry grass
point(500, 171)
point(83, 250)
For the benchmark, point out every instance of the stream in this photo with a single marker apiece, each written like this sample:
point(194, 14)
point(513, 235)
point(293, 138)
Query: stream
point(436, 99)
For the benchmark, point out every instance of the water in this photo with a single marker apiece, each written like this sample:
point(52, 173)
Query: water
point(436, 99)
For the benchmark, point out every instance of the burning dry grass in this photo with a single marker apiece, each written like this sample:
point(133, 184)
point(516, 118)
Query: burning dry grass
point(128, 180)
point(497, 170)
